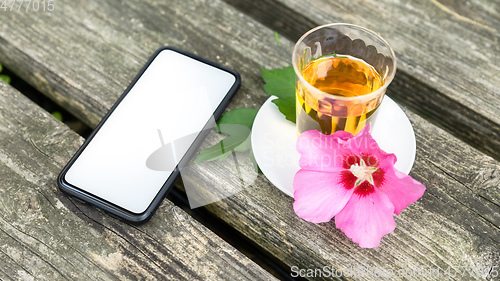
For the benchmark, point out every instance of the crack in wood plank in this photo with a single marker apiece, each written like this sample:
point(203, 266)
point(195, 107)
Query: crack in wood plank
point(460, 17)
point(58, 237)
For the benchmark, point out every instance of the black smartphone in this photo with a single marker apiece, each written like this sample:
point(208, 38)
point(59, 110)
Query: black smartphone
point(171, 103)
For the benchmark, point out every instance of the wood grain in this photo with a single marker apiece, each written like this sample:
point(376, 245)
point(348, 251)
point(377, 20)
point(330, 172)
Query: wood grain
point(456, 223)
point(106, 43)
point(44, 235)
point(448, 54)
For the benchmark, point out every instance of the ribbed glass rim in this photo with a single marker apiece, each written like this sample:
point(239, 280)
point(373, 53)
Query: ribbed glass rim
point(311, 88)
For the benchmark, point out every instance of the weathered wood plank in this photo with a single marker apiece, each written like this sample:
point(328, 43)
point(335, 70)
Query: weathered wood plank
point(456, 222)
point(448, 54)
point(44, 235)
point(106, 43)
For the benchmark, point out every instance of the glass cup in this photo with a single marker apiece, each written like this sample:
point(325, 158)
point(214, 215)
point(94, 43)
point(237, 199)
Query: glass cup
point(342, 72)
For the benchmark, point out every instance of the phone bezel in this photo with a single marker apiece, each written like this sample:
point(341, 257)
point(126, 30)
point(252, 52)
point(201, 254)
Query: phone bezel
point(114, 209)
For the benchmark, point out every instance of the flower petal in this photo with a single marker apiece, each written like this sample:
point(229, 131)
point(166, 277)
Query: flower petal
point(366, 219)
point(364, 144)
point(321, 152)
point(318, 195)
point(401, 189)
point(343, 136)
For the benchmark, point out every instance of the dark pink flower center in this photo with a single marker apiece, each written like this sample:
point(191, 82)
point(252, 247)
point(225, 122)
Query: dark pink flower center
point(348, 179)
point(370, 160)
point(361, 173)
point(350, 160)
point(364, 188)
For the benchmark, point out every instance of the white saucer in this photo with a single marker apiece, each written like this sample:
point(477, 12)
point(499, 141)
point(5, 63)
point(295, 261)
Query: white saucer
point(274, 138)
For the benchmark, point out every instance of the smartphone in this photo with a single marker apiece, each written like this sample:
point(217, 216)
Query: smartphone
point(171, 103)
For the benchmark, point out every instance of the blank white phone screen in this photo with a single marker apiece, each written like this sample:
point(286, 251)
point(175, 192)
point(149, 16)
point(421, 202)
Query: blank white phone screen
point(172, 100)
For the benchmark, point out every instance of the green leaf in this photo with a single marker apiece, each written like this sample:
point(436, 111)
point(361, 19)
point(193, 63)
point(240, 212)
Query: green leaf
point(242, 116)
point(237, 124)
point(5, 78)
point(285, 108)
point(277, 37)
point(254, 162)
point(245, 145)
point(211, 154)
point(281, 83)
point(1, 67)
point(238, 134)
point(57, 115)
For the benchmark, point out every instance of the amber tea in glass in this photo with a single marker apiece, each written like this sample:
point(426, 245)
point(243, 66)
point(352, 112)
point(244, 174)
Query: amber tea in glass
point(342, 73)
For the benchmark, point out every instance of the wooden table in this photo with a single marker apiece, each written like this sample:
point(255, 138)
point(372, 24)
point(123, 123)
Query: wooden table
point(84, 53)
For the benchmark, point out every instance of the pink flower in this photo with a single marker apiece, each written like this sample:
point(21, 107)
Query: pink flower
point(351, 178)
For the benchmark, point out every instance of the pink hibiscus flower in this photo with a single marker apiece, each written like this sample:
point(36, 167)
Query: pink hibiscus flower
point(351, 178)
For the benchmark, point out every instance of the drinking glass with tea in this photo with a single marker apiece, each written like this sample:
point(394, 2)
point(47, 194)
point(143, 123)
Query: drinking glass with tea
point(342, 73)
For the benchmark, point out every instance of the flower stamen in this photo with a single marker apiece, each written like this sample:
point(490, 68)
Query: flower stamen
point(362, 172)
